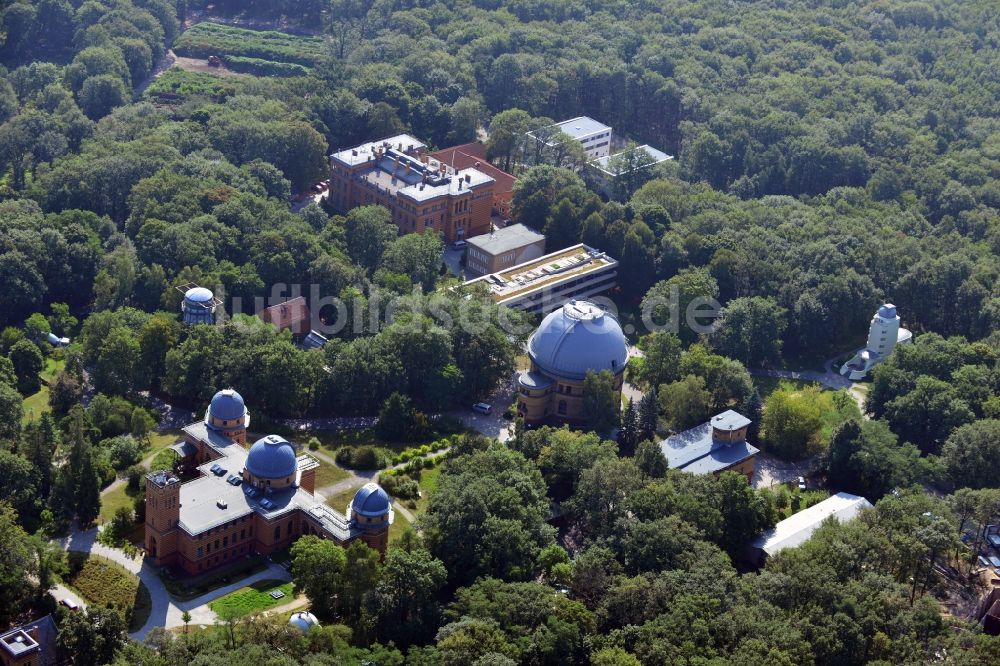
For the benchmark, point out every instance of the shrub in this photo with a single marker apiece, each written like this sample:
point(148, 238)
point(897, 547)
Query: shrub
point(360, 457)
point(260, 67)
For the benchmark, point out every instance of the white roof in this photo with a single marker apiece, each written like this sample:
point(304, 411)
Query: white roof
point(657, 156)
point(798, 528)
point(364, 152)
point(506, 239)
point(581, 127)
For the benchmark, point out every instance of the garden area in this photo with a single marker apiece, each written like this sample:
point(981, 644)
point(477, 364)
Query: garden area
point(184, 588)
point(178, 84)
point(272, 48)
point(798, 420)
point(255, 598)
point(102, 582)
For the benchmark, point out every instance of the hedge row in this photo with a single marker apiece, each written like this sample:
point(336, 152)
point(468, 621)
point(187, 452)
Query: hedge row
point(260, 67)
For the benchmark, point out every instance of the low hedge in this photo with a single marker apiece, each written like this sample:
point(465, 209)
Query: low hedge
point(261, 67)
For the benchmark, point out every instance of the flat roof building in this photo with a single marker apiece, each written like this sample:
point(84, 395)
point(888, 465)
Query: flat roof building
point(796, 529)
point(714, 447)
point(594, 136)
point(502, 248)
point(245, 501)
point(544, 284)
point(421, 193)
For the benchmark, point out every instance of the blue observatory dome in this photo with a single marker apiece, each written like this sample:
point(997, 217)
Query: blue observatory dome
point(198, 306)
point(370, 501)
point(227, 405)
point(578, 338)
point(272, 457)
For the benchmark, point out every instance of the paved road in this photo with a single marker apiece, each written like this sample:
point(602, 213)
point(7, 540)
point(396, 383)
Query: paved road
point(770, 471)
point(60, 592)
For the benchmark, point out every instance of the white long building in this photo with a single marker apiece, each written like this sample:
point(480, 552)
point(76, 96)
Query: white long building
point(798, 528)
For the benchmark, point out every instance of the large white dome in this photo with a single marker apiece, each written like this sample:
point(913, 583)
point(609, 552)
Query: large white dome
point(578, 338)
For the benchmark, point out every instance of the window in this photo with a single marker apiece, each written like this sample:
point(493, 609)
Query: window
point(277, 532)
point(217, 544)
point(201, 552)
point(562, 406)
point(225, 541)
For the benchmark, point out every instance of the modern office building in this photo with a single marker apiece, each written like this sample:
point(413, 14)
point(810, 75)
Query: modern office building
point(419, 191)
point(544, 284)
point(717, 446)
point(594, 136)
point(502, 248)
point(245, 501)
point(578, 338)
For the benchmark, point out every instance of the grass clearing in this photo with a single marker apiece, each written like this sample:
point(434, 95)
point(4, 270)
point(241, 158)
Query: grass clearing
point(36, 404)
point(768, 385)
point(253, 599)
point(428, 484)
point(53, 366)
point(339, 501)
point(399, 526)
point(327, 475)
point(102, 582)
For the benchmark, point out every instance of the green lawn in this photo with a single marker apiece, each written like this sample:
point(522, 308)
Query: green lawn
point(102, 582)
point(327, 475)
point(428, 484)
point(252, 599)
point(36, 404)
point(399, 526)
point(340, 500)
point(52, 368)
point(768, 385)
point(114, 500)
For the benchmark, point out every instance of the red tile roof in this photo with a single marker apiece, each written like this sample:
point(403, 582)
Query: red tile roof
point(473, 156)
point(290, 314)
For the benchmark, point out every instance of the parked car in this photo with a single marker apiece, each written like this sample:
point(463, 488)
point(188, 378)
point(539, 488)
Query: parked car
point(802, 483)
point(459, 244)
point(483, 407)
point(69, 603)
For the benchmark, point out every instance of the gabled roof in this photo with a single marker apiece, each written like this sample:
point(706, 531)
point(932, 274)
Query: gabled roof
point(289, 314)
point(797, 529)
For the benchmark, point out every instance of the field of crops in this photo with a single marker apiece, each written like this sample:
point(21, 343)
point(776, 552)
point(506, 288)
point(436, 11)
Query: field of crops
point(208, 39)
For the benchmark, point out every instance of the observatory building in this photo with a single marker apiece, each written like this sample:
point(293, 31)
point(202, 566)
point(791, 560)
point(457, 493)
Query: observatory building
point(247, 501)
point(199, 304)
point(578, 338)
point(884, 334)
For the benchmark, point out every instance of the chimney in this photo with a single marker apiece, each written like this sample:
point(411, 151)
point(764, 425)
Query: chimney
point(354, 153)
point(468, 178)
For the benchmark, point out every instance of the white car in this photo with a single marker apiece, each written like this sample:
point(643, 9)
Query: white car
point(458, 245)
point(70, 604)
point(483, 407)
point(802, 483)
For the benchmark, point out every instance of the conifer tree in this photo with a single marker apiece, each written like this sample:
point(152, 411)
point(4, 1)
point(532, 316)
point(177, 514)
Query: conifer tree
point(649, 415)
point(628, 435)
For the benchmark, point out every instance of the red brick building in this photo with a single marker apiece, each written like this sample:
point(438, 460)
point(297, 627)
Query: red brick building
point(420, 192)
point(473, 156)
point(247, 501)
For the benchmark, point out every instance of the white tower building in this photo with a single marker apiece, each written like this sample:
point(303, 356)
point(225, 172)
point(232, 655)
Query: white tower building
point(884, 334)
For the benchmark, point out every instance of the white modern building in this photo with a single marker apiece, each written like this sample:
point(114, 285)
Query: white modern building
point(594, 136)
point(796, 530)
point(546, 283)
point(883, 336)
point(604, 171)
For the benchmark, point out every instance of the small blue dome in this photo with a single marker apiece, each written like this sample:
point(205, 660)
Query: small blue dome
point(227, 405)
point(272, 457)
point(887, 311)
point(198, 295)
point(371, 501)
point(578, 338)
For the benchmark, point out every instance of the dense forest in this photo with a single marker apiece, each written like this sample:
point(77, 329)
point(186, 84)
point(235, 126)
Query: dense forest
point(830, 155)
